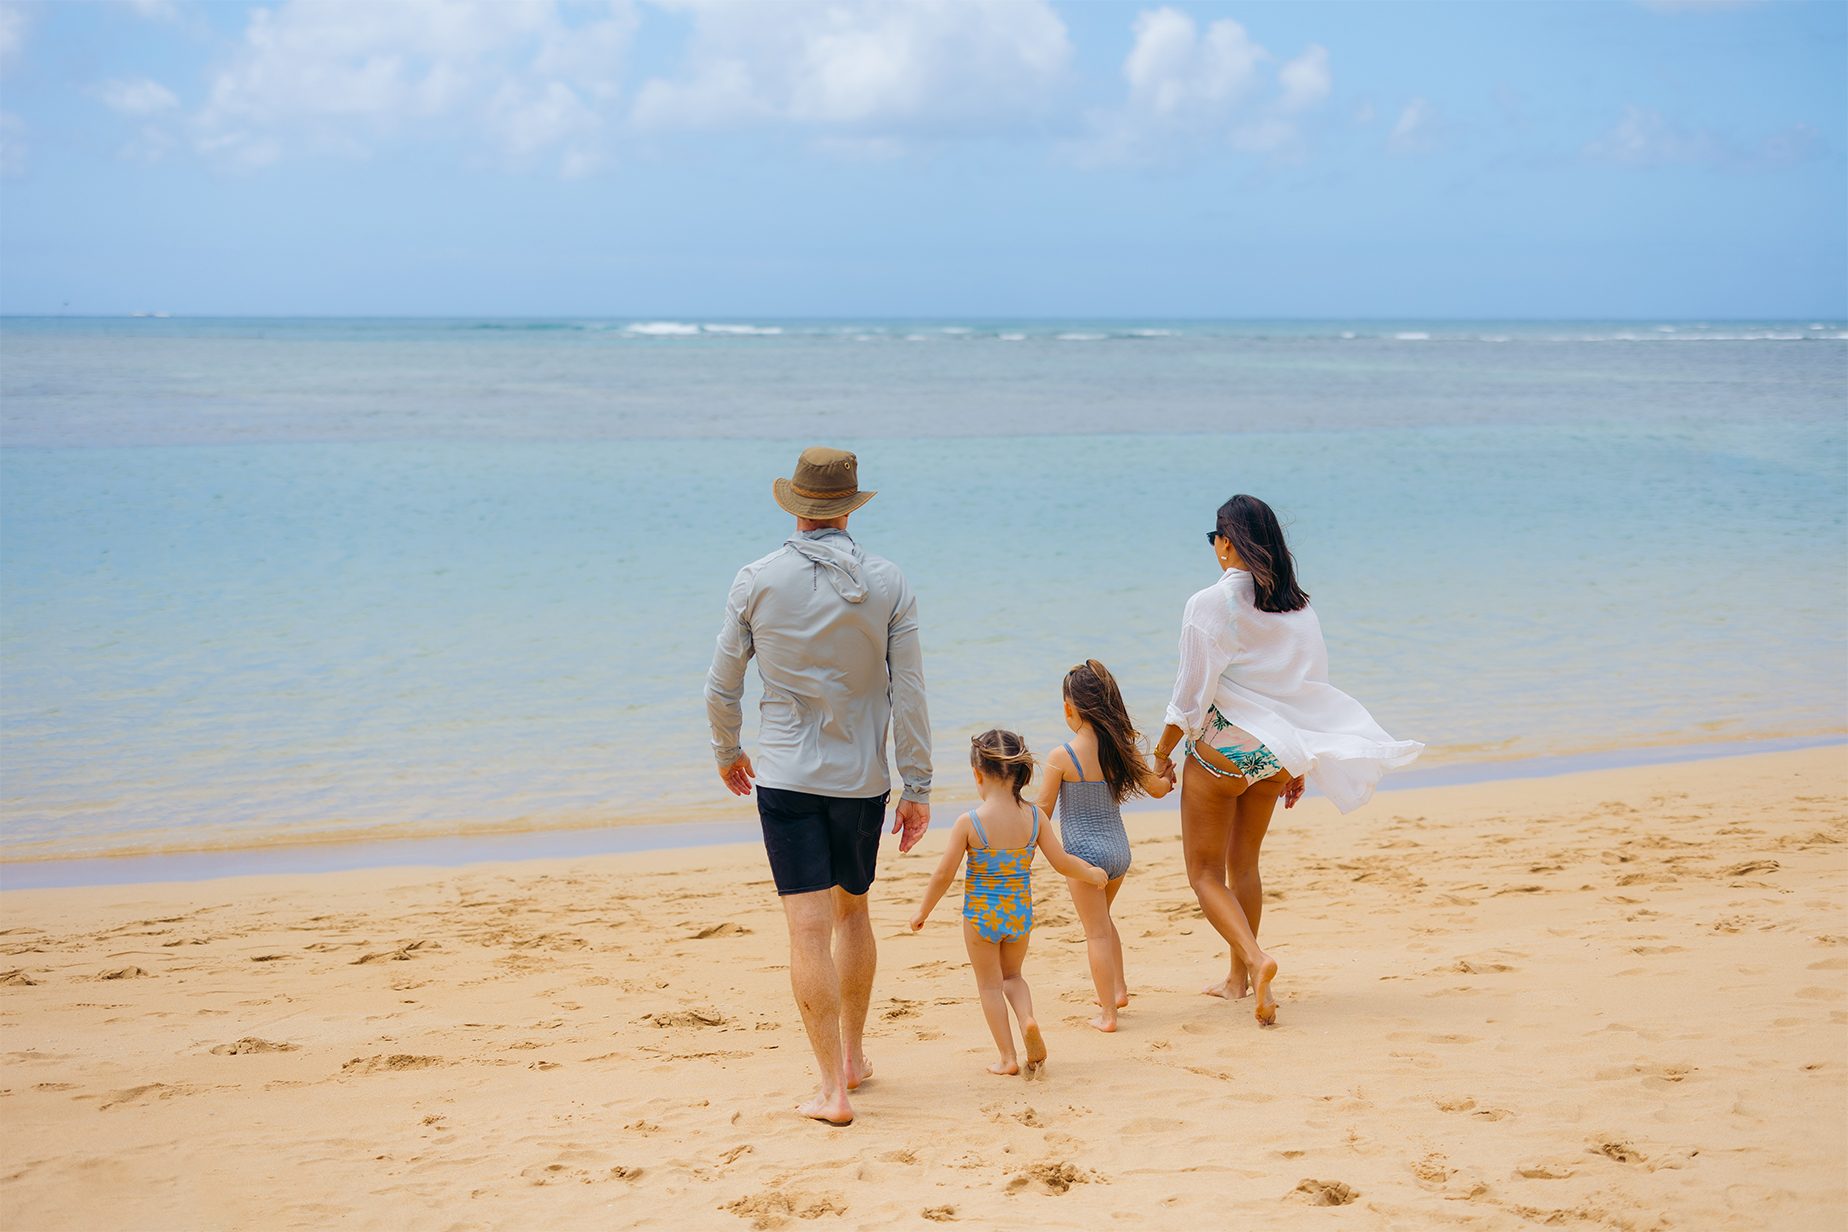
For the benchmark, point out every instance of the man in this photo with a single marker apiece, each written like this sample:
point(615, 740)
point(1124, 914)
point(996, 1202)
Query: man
point(834, 630)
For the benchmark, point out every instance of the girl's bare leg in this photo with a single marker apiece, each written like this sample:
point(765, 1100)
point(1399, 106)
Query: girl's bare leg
point(1101, 946)
point(985, 957)
point(1116, 944)
point(1014, 986)
point(1208, 806)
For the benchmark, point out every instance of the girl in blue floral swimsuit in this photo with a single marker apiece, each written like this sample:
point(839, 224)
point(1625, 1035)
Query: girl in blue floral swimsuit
point(1000, 837)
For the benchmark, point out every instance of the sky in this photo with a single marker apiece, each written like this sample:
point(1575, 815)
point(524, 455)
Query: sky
point(925, 159)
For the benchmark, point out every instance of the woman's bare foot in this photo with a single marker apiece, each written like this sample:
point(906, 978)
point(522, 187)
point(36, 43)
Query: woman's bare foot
point(1235, 987)
point(1006, 1068)
point(1103, 1022)
point(835, 1109)
point(858, 1072)
point(1266, 1008)
point(1036, 1048)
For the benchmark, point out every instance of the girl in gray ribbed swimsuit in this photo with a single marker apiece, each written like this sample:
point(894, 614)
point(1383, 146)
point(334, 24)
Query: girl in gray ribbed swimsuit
point(1088, 780)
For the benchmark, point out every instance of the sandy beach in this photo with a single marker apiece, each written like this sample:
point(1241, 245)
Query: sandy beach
point(1616, 998)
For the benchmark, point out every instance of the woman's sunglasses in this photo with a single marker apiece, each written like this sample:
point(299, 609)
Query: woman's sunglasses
point(1213, 537)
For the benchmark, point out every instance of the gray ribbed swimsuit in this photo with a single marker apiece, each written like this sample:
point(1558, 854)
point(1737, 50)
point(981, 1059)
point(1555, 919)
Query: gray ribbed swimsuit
point(1090, 824)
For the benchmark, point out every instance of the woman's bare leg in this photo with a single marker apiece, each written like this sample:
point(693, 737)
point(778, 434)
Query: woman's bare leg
point(1208, 807)
point(1244, 840)
point(1101, 947)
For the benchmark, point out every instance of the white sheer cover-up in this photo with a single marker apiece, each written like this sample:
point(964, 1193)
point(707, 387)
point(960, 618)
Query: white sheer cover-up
point(1267, 672)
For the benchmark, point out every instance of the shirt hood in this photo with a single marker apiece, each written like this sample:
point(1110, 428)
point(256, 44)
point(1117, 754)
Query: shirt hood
point(840, 559)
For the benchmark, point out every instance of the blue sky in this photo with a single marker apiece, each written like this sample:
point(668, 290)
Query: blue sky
point(933, 158)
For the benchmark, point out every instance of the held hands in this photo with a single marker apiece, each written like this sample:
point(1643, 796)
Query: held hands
point(1096, 876)
point(913, 817)
point(737, 776)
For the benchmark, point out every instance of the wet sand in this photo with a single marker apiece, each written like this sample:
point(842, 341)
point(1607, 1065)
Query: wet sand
point(1616, 998)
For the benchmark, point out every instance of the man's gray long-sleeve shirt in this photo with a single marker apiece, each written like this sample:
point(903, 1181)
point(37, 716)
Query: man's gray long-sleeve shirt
point(834, 630)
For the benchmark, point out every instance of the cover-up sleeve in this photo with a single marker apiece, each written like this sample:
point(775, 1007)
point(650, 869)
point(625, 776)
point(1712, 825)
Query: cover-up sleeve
point(725, 679)
point(910, 716)
point(1208, 643)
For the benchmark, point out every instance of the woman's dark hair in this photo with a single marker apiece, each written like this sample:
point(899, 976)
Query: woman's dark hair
point(1093, 693)
point(1002, 755)
point(1258, 537)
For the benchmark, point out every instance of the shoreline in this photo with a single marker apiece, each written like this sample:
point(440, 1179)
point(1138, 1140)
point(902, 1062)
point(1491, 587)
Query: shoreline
point(1589, 999)
point(463, 850)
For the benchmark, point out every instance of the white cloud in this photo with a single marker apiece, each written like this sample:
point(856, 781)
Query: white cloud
point(136, 96)
point(15, 23)
point(1644, 137)
point(333, 76)
point(1305, 80)
point(1418, 129)
point(856, 69)
point(1185, 86)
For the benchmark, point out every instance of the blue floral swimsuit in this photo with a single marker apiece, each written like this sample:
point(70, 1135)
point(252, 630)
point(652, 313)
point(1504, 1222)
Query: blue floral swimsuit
point(1241, 748)
point(997, 890)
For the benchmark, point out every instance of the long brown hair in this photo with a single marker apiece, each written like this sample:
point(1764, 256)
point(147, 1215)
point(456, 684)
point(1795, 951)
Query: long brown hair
point(1093, 693)
point(1002, 755)
point(1258, 537)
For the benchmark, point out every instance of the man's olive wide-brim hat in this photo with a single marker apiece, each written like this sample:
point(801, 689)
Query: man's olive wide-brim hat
point(826, 485)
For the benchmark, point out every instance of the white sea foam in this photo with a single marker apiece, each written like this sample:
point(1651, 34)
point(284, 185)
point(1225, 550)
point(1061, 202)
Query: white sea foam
point(1413, 337)
point(662, 328)
point(765, 330)
point(1154, 333)
point(1348, 333)
point(955, 329)
point(1013, 337)
point(1082, 337)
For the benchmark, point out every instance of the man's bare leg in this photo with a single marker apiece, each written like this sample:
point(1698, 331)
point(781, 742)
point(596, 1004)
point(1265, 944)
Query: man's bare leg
point(817, 985)
point(856, 956)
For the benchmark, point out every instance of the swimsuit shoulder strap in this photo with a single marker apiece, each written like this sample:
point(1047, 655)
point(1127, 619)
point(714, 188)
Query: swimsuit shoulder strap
point(1034, 841)
point(980, 833)
point(1075, 762)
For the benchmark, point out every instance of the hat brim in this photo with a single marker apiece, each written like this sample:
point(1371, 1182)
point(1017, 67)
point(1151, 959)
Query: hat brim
point(818, 510)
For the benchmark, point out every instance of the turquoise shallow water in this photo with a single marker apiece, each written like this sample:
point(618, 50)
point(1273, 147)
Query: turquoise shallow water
point(216, 637)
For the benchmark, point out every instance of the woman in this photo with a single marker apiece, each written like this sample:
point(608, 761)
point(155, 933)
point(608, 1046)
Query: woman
point(1253, 704)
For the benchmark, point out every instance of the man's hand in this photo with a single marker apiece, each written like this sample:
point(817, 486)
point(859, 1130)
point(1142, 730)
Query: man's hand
point(737, 776)
point(913, 817)
point(1293, 792)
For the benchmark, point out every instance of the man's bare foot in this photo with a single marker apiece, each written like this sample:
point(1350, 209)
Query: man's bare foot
point(1036, 1048)
point(1266, 1008)
point(858, 1072)
point(1005, 1068)
point(1103, 1022)
point(835, 1109)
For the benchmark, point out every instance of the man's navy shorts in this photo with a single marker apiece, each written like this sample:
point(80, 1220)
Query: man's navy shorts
point(817, 842)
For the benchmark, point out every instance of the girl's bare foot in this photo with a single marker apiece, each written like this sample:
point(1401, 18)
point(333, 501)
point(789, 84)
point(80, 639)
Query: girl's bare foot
point(1122, 1001)
point(835, 1109)
point(1266, 1008)
point(1036, 1048)
point(1005, 1067)
point(858, 1072)
point(1103, 1022)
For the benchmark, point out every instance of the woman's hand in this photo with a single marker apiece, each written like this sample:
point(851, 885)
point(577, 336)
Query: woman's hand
point(1293, 792)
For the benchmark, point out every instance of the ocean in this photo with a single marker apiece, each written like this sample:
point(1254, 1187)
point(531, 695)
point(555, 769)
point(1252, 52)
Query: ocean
point(267, 582)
